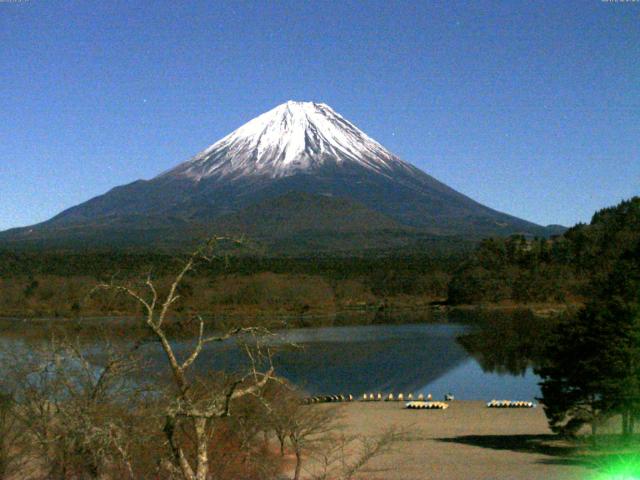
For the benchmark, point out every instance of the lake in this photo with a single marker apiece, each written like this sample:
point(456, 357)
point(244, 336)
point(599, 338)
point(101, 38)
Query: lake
point(434, 358)
point(416, 358)
point(472, 359)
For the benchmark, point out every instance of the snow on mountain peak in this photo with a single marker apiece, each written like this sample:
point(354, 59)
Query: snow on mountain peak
point(290, 138)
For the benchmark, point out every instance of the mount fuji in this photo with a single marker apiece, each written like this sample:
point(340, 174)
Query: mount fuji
point(299, 174)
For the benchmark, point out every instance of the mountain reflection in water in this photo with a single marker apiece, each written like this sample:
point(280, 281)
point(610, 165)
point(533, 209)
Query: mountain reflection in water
point(429, 358)
point(478, 356)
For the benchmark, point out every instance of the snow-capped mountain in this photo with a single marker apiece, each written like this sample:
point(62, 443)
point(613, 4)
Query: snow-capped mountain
point(298, 170)
point(292, 138)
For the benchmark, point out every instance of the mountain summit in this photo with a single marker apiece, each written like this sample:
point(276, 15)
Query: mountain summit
point(292, 138)
point(298, 178)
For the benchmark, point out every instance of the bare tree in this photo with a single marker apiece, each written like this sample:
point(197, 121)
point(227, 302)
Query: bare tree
point(74, 410)
point(309, 429)
point(241, 452)
point(346, 456)
point(282, 404)
point(192, 408)
point(11, 438)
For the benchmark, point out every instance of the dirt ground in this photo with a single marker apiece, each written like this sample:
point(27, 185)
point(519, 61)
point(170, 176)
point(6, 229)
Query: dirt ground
point(467, 441)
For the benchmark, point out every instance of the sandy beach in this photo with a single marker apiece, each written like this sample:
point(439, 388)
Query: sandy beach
point(465, 441)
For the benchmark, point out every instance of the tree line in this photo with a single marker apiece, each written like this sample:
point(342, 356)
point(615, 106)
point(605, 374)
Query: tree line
point(562, 268)
point(516, 270)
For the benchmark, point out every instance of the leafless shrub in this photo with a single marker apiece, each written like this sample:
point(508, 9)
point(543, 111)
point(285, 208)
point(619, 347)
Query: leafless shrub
point(316, 437)
point(74, 410)
point(12, 456)
point(347, 456)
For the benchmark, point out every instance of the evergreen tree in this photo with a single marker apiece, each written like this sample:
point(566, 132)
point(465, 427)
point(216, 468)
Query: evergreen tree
point(592, 364)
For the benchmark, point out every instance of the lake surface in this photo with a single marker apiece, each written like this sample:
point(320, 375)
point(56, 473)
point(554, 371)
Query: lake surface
point(422, 358)
point(410, 358)
point(472, 360)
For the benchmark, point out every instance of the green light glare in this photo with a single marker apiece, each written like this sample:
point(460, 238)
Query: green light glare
point(620, 468)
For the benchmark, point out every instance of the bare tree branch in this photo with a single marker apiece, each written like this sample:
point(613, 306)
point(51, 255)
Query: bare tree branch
point(190, 406)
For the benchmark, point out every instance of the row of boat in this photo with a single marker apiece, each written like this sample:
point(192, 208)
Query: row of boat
point(510, 404)
point(421, 402)
point(371, 397)
point(427, 405)
point(328, 398)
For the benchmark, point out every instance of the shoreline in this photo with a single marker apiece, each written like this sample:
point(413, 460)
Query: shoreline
point(431, 308)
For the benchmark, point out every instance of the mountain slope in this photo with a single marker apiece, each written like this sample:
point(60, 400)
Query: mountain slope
point(295, 147)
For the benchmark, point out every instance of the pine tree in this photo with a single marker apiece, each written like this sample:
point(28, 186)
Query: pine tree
point(592, 364)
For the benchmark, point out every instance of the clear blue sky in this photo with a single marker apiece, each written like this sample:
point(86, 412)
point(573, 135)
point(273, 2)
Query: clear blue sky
point(530, 107)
